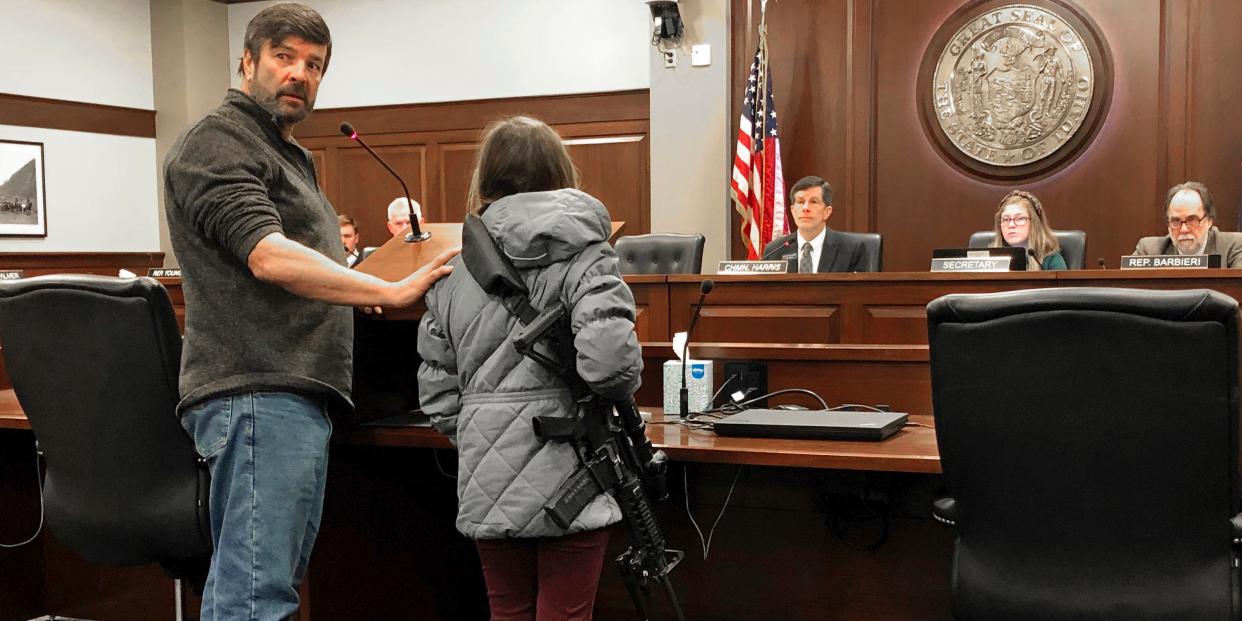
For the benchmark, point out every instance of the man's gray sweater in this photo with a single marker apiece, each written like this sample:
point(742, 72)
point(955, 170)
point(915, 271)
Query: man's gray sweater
point(231, 180)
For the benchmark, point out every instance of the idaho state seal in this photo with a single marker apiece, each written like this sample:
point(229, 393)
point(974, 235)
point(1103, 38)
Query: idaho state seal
point(1013, 85)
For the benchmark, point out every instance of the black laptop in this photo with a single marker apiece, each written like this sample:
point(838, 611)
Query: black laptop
point(812, 424)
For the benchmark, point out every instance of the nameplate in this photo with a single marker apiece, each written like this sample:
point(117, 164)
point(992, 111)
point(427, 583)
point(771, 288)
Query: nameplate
point(11, 274)
point(1170, 261)
point(163, 272)
point(971, 264)
point(752, 267)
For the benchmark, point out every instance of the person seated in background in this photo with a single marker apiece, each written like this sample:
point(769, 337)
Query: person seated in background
point(399, 215)
point(349, 238)
point(815, 248)
point(1022, 223)
point(1191, 217)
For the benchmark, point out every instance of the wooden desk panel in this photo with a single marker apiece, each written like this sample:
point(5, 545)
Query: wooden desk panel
point(875, 308)
point(651, 306)
point(11, 415)
point(878, 308)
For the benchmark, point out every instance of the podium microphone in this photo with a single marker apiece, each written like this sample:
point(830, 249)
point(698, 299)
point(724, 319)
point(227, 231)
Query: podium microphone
point(416, 234)
point(788, 243)
point(704, 289)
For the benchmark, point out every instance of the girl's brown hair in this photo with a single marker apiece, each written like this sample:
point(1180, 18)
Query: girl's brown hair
point(518, 154)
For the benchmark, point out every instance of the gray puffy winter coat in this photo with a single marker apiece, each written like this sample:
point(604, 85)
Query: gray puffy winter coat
point(482, 394)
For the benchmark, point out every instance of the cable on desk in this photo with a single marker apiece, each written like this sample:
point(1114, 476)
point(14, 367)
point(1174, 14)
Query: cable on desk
point(734, 408)
point(39, 529)
point(722, 387)
point(855, 407)
point(435, 456)
point(707, 543)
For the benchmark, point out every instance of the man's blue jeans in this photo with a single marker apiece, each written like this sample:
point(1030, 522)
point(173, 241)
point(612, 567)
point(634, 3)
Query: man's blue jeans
point(268, 454)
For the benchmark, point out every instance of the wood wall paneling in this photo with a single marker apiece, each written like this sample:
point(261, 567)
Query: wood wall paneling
point(456, 167)
point(554, 110)
point(23, 111)
point(845, 79)
point(102, 263)
point(434, 145)
point(1214, 92)
point(615, 170)
point(358, 184)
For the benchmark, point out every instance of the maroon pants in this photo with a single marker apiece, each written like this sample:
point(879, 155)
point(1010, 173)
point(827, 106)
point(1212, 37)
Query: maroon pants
point(550, 579)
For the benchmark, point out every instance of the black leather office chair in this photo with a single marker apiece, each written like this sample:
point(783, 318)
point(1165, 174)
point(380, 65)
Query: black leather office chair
point(1089, 477)
point(1073, 245)
point(873, 243)
point(660, 253)
point(94, 362)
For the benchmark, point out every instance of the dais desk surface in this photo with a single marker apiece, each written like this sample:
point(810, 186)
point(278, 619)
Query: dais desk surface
point(912, 449)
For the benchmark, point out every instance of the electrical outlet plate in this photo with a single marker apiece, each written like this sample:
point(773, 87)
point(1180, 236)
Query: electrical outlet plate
point(670, 59)
point(701, 55)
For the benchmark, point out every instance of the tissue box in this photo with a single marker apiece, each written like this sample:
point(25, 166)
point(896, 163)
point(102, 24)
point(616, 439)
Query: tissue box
point(698, 385)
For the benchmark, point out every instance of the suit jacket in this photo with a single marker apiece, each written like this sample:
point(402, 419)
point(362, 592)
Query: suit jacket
point(840, 253)
point(1227, 245)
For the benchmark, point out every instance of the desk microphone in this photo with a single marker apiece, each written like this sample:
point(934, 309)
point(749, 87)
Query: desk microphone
point(788, 243)
point(704, 289)
point(1100, 262)
point(416, 233)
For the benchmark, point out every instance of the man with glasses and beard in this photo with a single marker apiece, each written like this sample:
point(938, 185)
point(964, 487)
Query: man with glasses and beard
point(1191, 218)
point(269, 331)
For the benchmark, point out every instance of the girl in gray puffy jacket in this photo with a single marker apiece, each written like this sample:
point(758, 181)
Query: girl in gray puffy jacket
point(482, 393)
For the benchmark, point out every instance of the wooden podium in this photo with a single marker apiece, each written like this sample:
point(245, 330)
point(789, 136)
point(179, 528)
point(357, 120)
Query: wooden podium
point(397, 259)
point(385, 346)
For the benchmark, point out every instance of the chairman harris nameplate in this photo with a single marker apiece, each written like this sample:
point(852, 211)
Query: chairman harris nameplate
point(752, 267)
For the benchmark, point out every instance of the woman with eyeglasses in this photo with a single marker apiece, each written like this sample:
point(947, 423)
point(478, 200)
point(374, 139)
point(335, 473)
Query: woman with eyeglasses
point(1022, 223)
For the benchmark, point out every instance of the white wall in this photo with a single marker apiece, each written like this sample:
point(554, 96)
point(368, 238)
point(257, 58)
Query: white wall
point(401, 51)
point(100, 192)
point(691, 142)
point(191, 73)
point(100, 188)
point(79, 50)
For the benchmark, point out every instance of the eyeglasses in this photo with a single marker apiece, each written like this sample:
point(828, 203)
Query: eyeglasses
point(1016, 221)
point(1192, 222)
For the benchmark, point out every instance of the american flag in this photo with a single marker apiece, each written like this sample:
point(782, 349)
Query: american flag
point(758, 186)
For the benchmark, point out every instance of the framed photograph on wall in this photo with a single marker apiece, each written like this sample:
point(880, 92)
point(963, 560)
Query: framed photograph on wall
point(23, 209)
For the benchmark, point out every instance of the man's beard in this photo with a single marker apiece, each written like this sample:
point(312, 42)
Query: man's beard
point(286, 115)
point(1188, 246)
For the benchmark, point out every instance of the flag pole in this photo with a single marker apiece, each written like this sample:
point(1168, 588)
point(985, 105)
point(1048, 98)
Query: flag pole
point(761, 94)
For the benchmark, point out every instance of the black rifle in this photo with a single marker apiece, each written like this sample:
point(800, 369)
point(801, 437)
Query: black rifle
point(609, 438)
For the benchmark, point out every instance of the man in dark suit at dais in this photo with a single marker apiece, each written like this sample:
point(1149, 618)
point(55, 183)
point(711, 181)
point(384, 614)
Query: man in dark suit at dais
point(815, 248)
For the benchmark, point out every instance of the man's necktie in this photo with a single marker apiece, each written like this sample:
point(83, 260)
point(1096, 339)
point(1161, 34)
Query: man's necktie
point(804, 263)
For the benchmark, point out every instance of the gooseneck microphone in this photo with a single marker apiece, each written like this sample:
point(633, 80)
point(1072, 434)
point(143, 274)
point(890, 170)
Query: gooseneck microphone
point(416, 234)
point(704, 289)
point(788, 243)
point(1101, 263)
